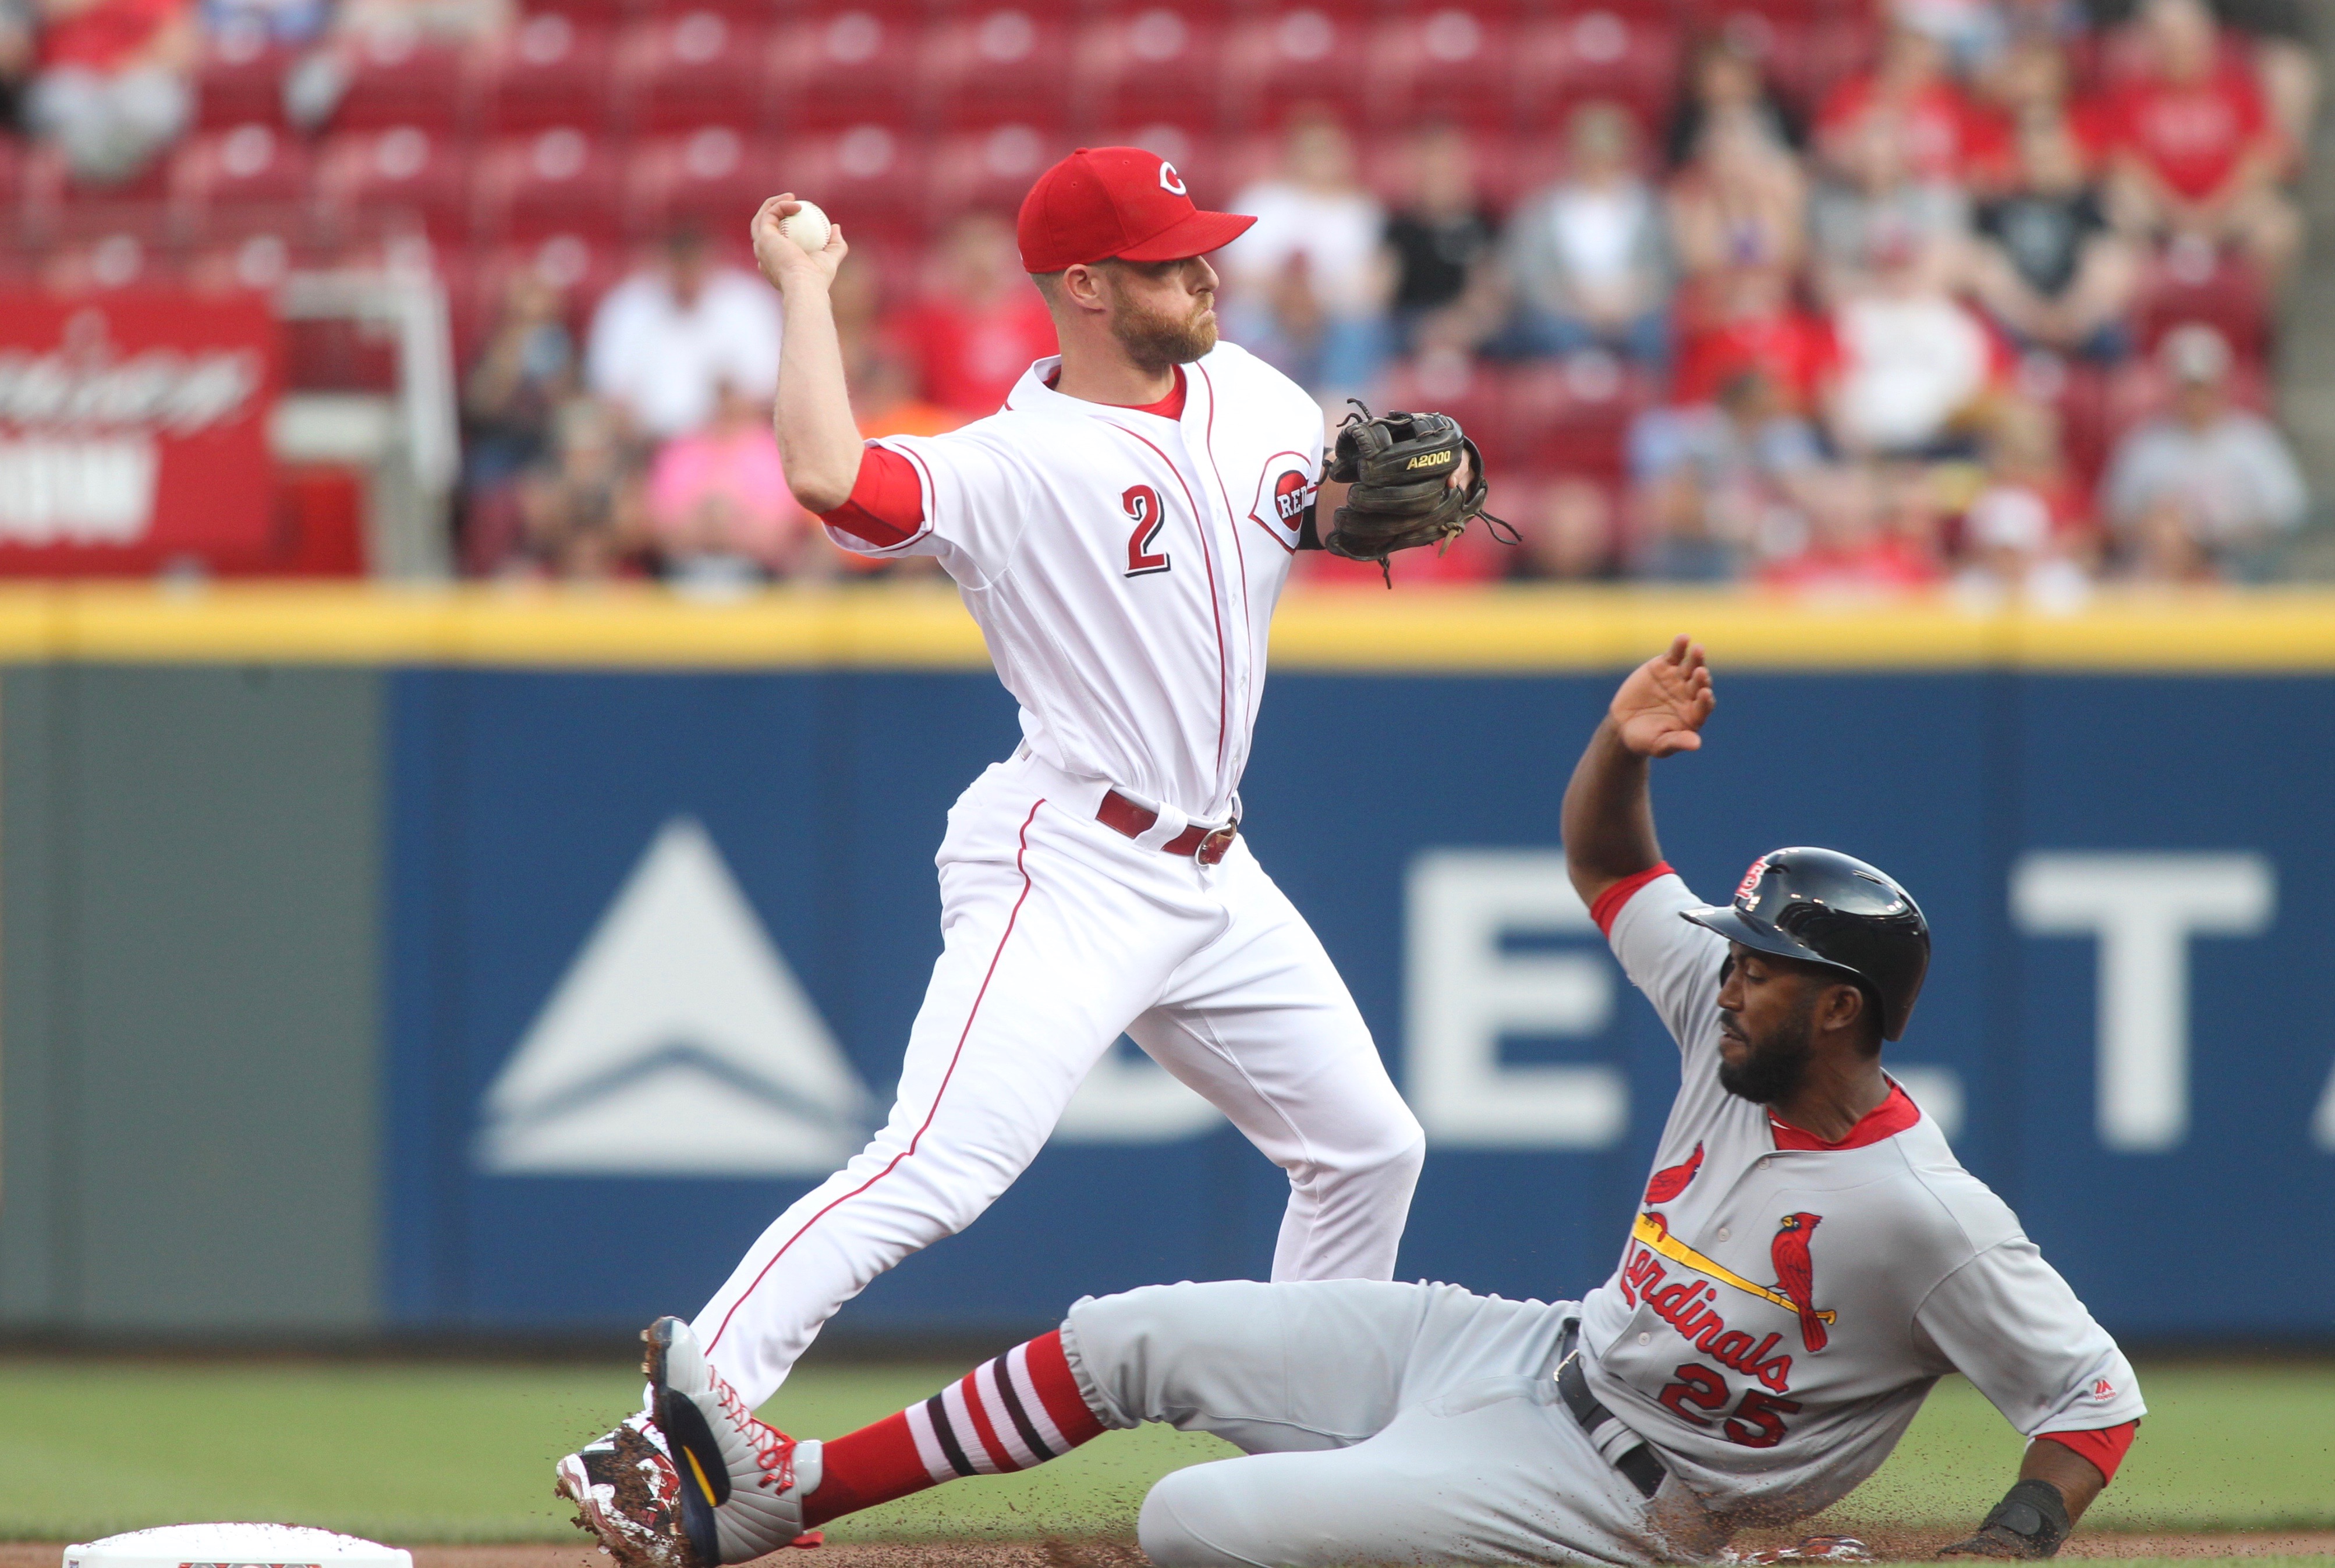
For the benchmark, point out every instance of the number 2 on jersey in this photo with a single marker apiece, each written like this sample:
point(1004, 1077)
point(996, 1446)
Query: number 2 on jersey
point(1141, 503)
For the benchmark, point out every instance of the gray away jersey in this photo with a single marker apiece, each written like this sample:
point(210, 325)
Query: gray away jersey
point(1779, 1314)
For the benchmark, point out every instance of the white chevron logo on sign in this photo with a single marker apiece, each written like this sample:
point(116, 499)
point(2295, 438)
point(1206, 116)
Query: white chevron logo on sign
point(677, 1044)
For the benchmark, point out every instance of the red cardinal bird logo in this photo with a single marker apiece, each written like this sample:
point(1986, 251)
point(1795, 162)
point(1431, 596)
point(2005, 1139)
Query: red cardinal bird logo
point(1671, 1179)
point(1795, 1276)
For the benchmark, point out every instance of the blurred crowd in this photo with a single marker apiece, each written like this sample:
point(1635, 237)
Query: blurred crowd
point(1991, 313)
point(1985, 303)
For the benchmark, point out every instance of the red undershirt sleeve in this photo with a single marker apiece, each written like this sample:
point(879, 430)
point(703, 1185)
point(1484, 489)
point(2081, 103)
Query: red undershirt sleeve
point(887, 501)
point(2105, 1448)
point(1608, 907)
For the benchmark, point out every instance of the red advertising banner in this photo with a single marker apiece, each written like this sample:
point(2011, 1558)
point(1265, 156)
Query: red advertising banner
point(133, 432)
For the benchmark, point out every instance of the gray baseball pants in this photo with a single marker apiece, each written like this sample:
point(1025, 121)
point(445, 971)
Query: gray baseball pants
point(1383, 1424)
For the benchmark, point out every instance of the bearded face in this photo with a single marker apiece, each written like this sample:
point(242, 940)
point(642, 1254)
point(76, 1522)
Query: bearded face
point(1768, 1063)
point(1157, 322)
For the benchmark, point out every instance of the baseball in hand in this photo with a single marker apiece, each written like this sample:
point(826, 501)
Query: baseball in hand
point(807, 226)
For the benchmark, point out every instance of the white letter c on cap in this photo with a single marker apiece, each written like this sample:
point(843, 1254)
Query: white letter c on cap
point(1169, 180)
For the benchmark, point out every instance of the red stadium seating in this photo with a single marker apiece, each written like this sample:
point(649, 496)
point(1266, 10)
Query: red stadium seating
point(249, 164)
point(1437, 64)
point(109, 245)
point(395, 82)
point(1150, 65)
point(698, 67)
point(1627, 53)
point(853, 66)
point(403, 170)
point(870, 178)
point(560, 181)
point(1279, 60)
point(241, 80)
point(713, 177)
point(995, 66)
point(2223, 293)
point(554, 69)
point(990, 169)
point(1574, 416)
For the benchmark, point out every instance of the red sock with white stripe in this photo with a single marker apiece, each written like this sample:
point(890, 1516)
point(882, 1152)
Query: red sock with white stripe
point(1021, 1409)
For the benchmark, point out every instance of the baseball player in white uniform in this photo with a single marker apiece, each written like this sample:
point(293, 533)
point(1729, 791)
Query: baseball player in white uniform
point(1807, 1260)
point(1120, 529)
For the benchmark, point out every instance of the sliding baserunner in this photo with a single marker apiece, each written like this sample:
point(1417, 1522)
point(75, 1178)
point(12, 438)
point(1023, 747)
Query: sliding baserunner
point(1807, 1260)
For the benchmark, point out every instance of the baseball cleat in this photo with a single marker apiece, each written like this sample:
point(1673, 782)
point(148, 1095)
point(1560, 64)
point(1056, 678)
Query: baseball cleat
point(741, 1483)
point(627, 1492)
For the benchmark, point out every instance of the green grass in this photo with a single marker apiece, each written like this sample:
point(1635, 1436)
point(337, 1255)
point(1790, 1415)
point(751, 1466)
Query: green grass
point(435, 1453)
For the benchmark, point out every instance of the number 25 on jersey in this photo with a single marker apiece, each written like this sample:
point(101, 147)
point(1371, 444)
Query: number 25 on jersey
point(1141, 503)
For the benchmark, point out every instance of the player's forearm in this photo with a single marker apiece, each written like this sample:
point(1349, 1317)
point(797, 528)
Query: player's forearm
point(2078, 1480)
point(2055, 1485)
point(818, 439)
point(1608, 817)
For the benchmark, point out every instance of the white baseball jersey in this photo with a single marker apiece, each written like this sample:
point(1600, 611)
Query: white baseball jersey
point(1779, 1313)
point(1124, 567)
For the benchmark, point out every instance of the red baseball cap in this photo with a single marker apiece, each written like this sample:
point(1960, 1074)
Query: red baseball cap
point(1102, 202)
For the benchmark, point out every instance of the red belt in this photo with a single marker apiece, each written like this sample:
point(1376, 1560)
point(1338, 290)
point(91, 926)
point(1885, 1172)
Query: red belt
point(1204, 844)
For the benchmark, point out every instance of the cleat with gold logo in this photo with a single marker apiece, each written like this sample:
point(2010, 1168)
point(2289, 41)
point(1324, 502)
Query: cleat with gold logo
point(742, 1482)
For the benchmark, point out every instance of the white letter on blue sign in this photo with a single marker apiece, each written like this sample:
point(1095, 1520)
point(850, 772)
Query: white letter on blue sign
point(2143, 909)
point(1462, 993)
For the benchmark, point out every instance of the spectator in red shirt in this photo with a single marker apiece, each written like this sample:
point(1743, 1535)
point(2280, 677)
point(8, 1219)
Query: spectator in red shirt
point(1754, 325)
point(1946, 136)
point(2194, 150)
point(979, 323)
point(115, 84)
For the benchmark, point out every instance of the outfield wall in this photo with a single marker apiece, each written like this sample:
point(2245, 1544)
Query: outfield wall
point(289, 882)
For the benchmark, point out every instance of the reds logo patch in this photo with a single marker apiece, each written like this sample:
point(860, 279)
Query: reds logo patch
point(1169, 180)
point(1284, 490)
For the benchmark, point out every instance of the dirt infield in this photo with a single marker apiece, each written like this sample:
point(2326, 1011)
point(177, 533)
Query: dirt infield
point(1109, 1553)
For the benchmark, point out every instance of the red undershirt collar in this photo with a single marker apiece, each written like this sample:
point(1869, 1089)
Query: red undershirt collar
point(1887, 1119)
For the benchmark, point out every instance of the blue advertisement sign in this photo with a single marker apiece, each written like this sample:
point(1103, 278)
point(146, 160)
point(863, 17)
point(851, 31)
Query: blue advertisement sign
point(657, 940)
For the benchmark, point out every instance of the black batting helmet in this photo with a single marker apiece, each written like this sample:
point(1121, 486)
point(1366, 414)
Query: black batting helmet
point(1824, 907)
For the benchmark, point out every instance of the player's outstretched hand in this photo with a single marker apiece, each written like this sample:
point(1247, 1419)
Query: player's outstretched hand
point(1661, 706)
point(783, 262)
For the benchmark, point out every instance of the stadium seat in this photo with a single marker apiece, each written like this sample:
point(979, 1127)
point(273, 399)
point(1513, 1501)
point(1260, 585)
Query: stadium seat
point(1279, 60)
point(698, 67)
point(560, 181)
point(241, 79)
point(395, 81)
point(1629, 53)
point(2221, 292)
point(713, 176)
point(869, 178)
point(403, 170)
point(554, 69)
point(1150, 64)
point(850, 67)
point(88, 245)
point(1574, 415)
point(990, 169)
point(999, 66)
point(249, 164)
point(1436, 64)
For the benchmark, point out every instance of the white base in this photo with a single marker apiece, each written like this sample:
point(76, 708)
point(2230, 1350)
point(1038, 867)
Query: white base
point(234, 1547)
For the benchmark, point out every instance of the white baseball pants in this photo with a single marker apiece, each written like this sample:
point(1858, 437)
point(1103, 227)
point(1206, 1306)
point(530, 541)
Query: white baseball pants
point(1059, 934)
